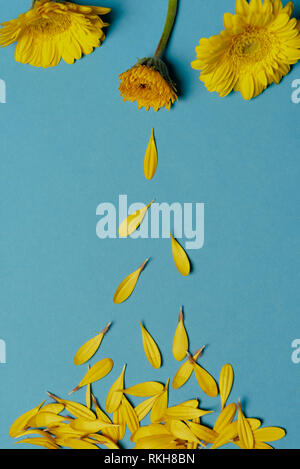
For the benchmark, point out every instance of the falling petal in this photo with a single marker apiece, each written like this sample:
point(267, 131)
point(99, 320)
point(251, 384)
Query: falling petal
point(205, 381)
point(151, 349)
point(39, 442)
point(203, 433)
point(180, 258)
point(89, 426)
point(185, 371)
point(147, 389)
point(244, 430)
point(21, 423)
point(268, 434)
point(98, 371)
point(181, 430)
point(180, 342)
point(114, 396)
point(87, 350)
point(155, 429)
point(127, 286)
point(181, 412)
point(160, 406)
point(150, 161)
point(76, 409)
point(133, 221)
point(225, 418)
point(129, 415)
point(225, 384)
point(144, 407)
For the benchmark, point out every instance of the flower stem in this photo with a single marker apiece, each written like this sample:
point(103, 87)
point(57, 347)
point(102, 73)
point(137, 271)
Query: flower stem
point(171, 15)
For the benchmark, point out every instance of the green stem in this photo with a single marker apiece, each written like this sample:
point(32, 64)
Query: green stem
point(171, 15)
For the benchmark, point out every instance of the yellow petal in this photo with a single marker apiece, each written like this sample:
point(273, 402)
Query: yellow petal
point(45, 419)
point(244, 430)
point(39, 442)
point(127, 285)
point(181, 412)
point(129, 416)
point(114, 396)
point(53, 408)
point(180, 342)
point(110, 432)
point(203, 433)
point(87, 350)
point(118, 419)
point(225, 384)
point(96, 372)
point(76, 409)
point(157, 442)
point(89, 426)
point(150, 161)
point(103, 440)
point(151, 349)
point(225, 418)
point(21, 422)
point(180, 258)
point(35, 431)
point(181, 430)
point(133, 221)
point(268, 434)
point(205, 381)
point(226, 435)
point(160, 406)
point(75, 443)
point(144, 407)
point(147, 389)
point(185, 371)
point(154, 429)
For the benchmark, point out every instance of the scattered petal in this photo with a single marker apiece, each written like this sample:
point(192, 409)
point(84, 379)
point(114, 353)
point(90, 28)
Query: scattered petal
point(225, 385)
point(150, 161)
point(87, 350)
point(133, 221)
point(127, 286)
point(181, 341)
point(180, 258)
point(151, 349)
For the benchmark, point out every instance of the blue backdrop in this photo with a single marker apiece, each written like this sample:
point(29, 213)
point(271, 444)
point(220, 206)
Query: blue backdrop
point(68, 143)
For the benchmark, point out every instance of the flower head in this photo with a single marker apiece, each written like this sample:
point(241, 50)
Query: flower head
point(51, 31)
point(256, 48)
point(149, 84)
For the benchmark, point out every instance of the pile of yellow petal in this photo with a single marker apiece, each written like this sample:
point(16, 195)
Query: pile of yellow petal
point(63, 423)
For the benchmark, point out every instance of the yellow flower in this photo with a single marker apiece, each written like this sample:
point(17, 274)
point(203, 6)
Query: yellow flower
point(148, 83)
point(50, 31)
point(256, 48)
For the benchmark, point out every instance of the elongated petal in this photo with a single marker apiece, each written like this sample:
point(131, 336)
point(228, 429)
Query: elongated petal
point(182, 431)
point(184, 372)
point(74, 443)
point(180, 342)
point(225, 418)
point(203, 433)
point(147, 389)
point(205, 381)
point(89, 426)
point(103, 440)
point(181, 412)
point(118, 419)
point(45, 419)
point(133, 221)
point(155, 429)
point(39, 442)
point(268, 434)
point(96, 372)
point(151, 349)
point(127, 285)
point(160, 406)
point(226, 435)
point(114, 396)
point(76, 409)
point(53, 408)
point(21, 422)
point(144, 407)
point(225, 384)
point(244, 430)
point(88, 349)
point(129, 415)
point(180, 258)
point(150, 161)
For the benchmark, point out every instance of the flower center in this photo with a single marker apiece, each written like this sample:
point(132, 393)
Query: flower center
point(51, 25)
point(251, 46)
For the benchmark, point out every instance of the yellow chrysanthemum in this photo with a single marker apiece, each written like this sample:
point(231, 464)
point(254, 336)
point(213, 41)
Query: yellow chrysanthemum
point(258, 46)
point(148, 84)
point(50, 31)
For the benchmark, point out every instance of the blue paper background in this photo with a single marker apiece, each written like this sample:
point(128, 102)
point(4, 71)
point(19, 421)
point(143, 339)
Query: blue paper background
point(68, 143)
